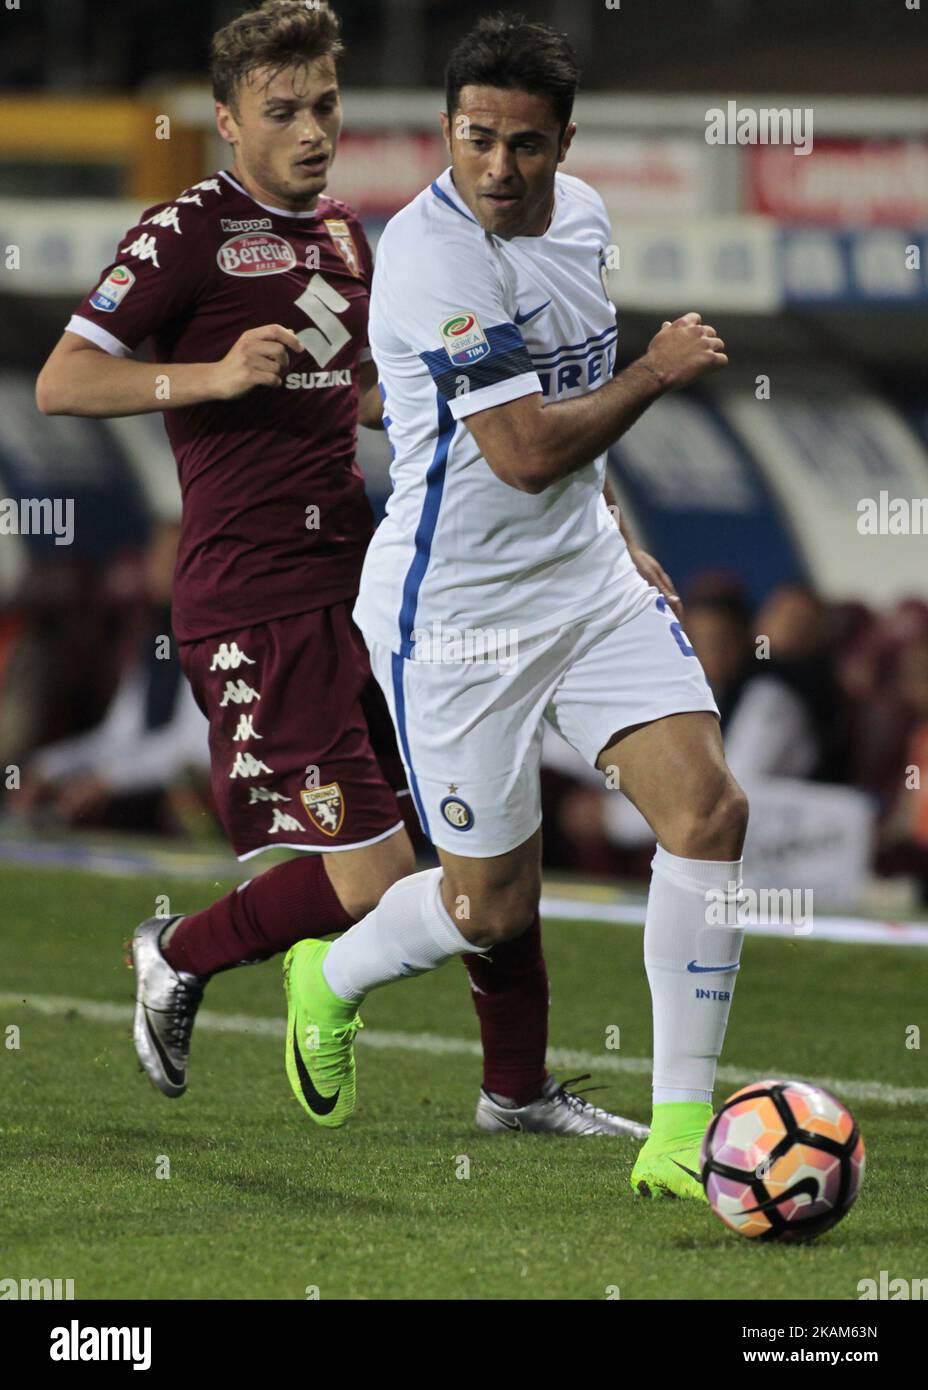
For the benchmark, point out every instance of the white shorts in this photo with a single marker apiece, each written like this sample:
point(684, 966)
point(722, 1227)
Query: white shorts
point(470, 733)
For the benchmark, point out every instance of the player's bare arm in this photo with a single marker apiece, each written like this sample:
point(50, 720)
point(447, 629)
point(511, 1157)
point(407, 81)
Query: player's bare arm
point(80, 378)
point(646, 565)
point(370, 403)
point(530, 445)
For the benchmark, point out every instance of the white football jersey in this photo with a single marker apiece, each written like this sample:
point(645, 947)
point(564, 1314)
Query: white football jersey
point(461, 320)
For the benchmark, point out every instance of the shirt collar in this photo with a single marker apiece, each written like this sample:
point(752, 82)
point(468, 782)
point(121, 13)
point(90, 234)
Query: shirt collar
point(278, 212)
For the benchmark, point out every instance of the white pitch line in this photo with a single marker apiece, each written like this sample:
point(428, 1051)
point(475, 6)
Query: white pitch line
point(98, 1011)
point(849, 931)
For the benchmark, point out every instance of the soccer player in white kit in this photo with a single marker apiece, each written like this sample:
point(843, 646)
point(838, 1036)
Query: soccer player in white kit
point(498, 593)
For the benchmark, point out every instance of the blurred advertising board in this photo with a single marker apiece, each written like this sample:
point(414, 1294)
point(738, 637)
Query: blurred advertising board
point(841, 183)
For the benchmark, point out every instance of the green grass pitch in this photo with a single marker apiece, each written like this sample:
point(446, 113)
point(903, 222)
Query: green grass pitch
point(260, 1204)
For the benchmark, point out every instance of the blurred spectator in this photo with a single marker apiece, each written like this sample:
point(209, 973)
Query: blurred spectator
point(782, 715)
point(904, 838)
point(812, 733)
point(121, 772)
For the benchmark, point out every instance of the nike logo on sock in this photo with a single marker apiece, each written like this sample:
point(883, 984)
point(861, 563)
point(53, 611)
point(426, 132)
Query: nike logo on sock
point(695, 969)
point(320, 1105)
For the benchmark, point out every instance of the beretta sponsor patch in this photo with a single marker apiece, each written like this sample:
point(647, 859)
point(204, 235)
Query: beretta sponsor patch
point(255, 253)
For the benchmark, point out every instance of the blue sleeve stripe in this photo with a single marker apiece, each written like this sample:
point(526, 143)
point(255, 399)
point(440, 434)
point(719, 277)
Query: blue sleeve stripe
point(599, 339)
point(507, 357)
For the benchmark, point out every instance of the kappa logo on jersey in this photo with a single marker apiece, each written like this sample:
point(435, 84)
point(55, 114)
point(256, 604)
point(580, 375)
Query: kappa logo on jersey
point(256, 253)
point(340, 233)
point(463, 338)
point(245, 224)
point(325, 806)
point(145, 247)
point(110, 294)
point(167, 217)
point(191, 195)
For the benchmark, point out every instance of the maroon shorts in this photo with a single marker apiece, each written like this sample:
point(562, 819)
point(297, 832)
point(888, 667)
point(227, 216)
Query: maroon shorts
point(301, 743)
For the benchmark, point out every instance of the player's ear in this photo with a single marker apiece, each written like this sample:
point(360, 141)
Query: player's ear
point(226, 123)
point(566, 139)
point(445, 128)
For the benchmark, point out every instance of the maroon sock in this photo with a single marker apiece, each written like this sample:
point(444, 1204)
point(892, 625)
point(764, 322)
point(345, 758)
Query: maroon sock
point(287, 903)
point(510, 992)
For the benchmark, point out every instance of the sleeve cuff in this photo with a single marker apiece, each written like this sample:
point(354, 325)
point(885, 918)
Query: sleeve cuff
point(470, 402)
point(86, 328)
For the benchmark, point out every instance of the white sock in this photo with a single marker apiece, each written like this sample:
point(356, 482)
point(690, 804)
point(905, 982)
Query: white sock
point(408, 933)
point(690, 1007)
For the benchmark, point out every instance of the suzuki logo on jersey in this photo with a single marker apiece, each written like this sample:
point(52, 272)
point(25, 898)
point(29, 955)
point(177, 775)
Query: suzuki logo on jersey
point(463, 338)
point(256, 253)
point(310, 381)
point(113, 290)
point(325, 806)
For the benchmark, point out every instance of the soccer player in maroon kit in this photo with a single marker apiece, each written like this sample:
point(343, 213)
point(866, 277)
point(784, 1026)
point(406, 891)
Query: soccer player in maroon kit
point(253, 286)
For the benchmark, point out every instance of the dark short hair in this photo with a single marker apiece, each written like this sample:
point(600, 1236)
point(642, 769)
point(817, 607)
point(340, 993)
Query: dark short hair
point(275, 36)
point(505, 50)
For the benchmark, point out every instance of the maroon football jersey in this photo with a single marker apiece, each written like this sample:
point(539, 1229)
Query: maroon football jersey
point(275, 516)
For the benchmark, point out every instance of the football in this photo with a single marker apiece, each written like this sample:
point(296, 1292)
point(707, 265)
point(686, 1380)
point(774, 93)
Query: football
point(782, 1161)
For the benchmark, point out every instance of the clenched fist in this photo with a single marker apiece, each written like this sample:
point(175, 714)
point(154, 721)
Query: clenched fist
point(258, 358)
point(683, 351)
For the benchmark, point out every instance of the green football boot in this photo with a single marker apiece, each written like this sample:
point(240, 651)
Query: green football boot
point(668, 1162)
point(321, 1030)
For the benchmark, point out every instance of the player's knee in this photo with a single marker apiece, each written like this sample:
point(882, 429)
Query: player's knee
point(713, 825)
point(361, 894)
point(503, 915)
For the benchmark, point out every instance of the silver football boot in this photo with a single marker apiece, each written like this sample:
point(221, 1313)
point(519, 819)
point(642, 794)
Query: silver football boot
point(166, 1003)
point(556, 1111)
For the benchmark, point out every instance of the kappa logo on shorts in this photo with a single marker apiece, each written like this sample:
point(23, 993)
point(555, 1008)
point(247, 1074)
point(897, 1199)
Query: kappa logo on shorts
point(325, 806)
point(457, 813)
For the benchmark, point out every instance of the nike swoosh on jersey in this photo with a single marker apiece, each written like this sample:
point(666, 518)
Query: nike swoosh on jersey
point(695, 969)
point(524, 318)
point(321, 1105)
